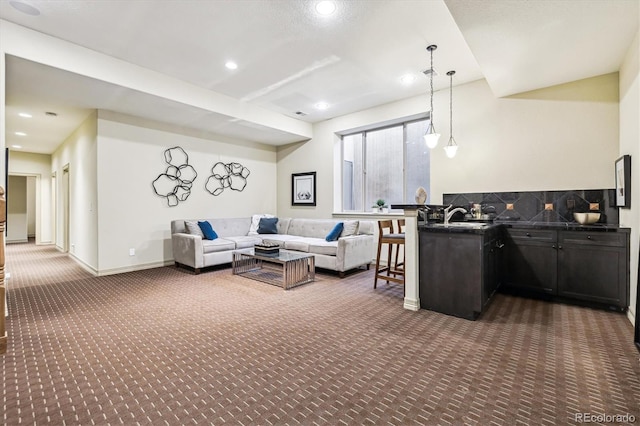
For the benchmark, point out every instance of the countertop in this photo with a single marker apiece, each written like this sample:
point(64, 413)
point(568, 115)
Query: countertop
point(483, 227)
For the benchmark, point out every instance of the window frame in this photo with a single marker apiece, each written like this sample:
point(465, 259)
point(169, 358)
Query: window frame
point(363, 131)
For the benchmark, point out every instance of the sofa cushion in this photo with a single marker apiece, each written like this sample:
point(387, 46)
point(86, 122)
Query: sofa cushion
point(335, 232)
point(268, 225)
point(283, 225)
point(278, 238)
point(350, 228)
point(219, 244)
point(207, 230)
point(255, 222)
point(313, 245)
point(245, 241)
point(230, 227)
point(193, 228)
point(299, 244)
point(311, 228)
point(329, 248)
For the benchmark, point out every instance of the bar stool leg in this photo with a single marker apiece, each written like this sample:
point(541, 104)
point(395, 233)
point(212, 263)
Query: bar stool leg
point(375, 281)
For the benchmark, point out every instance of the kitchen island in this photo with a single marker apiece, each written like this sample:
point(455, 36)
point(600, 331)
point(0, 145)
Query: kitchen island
point(455, 269)
point(459, 267)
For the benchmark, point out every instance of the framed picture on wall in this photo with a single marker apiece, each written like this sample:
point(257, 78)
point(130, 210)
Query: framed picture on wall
point(303, 189)
point(623, 182)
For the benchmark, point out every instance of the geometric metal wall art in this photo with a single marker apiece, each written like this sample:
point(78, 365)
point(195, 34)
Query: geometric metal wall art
point(175, 183)
point(230, 175)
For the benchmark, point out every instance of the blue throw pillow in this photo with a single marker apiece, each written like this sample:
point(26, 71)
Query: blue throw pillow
point(207, 230)
point(267, 225)
point(335, 232)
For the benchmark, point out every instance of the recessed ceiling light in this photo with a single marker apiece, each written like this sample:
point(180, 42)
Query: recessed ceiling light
point(25, 115)
point(322, 105)
point(24, 8)
point(325, 7)
point(16, 146)
point(231, 65)
point(21, 134)
point(407, 79)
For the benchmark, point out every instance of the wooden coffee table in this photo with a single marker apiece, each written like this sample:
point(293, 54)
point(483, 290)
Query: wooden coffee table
point(287, 270)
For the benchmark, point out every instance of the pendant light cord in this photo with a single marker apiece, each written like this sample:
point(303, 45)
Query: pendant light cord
point(451, 104)
point(431, 87)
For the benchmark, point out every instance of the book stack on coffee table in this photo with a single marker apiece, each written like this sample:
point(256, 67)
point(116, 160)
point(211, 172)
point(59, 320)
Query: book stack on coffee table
point(267, 249)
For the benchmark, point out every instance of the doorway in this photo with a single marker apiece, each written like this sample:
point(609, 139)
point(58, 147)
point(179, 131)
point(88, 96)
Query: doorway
point(65, 208)
point(23, 204)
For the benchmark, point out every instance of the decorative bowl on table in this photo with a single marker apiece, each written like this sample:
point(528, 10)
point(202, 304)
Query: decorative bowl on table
point(586, 218)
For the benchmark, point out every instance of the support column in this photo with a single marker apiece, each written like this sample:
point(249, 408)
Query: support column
point(3, 221)
point(411, 258)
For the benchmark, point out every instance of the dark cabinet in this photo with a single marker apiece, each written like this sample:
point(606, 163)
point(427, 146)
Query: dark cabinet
point(577, 265)
point(594, 267)
point(531, 260)
point(458, 272)
point(493, 264)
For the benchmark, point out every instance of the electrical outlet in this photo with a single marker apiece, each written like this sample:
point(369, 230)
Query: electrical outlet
point(73, 248)
point(571, 204)
point(548, 206)
point(509, 206)
point(132, 252)
point(594, 206)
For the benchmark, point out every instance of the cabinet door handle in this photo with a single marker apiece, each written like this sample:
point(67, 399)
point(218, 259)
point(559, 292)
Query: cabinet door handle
point(554, 246)
point(588, 237)
point(528, 234)
point(559, 247)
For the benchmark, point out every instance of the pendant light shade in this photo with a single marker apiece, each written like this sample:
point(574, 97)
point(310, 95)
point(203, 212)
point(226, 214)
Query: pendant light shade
point(452, 146)
point(431, 137)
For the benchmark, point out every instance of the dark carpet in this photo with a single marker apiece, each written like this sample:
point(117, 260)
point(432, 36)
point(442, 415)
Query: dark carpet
point(163, 346)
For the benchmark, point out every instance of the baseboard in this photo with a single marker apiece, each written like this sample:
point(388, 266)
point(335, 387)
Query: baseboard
point(122, 270)
point(82, 264)
point(17, 241)
point(134, 268)
point(411, 304)
point(631, 316)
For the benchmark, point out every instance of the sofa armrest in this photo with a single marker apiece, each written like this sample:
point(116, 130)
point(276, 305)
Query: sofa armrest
point(187, 249)
point(354, 251)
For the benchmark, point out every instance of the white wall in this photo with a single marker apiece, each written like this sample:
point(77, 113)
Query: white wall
point(558, 138)
point(38, 165)
point(563, 137)
point(131, 215)
point(79, 152)
point(630, 144)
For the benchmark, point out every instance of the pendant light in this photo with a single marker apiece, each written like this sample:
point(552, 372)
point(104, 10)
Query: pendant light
point(452, 146)
point(431, 137)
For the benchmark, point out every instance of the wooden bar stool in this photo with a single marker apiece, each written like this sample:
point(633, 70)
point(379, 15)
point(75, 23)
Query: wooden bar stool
point(399, 264)
point(390, 272)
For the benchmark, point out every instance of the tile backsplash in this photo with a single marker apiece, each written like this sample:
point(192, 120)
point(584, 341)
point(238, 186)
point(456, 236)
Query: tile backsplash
point(541, 206)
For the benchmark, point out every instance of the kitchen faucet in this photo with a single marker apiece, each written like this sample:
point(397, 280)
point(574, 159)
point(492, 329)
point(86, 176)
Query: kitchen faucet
point(448, 214)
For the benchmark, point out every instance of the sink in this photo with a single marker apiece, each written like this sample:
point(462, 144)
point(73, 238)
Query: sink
point(469, 225)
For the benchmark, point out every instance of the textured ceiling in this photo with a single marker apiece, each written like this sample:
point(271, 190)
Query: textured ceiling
point(290, 58)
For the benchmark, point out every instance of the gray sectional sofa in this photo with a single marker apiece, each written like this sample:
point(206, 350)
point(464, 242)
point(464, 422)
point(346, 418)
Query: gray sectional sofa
point(304, 235)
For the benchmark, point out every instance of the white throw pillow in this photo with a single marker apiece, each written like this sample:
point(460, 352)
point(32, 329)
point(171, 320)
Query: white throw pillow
point(350, 228)
point(193, 228)
point(255, 223)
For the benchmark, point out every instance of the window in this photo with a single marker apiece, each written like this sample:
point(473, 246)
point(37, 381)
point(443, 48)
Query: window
point(388, 163)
